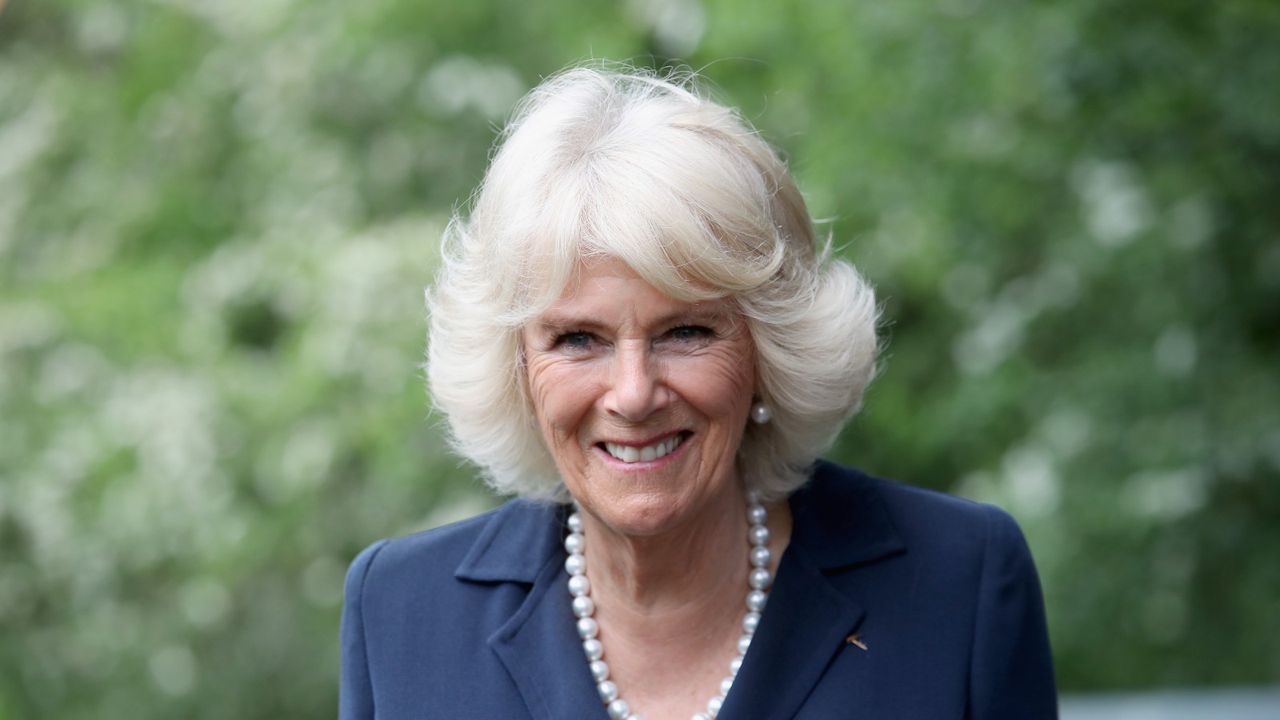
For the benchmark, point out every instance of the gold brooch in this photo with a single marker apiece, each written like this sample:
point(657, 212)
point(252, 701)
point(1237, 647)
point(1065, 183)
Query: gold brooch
point(854, 640)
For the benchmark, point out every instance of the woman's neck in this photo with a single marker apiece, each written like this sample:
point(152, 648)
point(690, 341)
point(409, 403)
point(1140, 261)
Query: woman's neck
point(670, 607)
point(673, 585)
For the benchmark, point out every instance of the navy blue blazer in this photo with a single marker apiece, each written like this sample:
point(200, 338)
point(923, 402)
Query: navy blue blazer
point(472, 620)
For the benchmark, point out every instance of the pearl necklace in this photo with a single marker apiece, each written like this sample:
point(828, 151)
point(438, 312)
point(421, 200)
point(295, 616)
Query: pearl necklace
point(588, 629)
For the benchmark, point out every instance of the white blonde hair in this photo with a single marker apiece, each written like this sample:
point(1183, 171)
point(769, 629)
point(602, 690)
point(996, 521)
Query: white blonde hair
point(649, 170)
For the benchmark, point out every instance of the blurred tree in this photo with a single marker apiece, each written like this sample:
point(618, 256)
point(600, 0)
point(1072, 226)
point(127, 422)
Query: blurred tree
point(216, 219)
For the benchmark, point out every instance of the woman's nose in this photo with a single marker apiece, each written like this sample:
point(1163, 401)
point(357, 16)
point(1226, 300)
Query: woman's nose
point(636, 390)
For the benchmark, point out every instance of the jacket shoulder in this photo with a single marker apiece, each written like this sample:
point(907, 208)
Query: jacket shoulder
point(439, 549)
point(925, 520)
point(382, 586)
point(957, 577)
point(507, 544)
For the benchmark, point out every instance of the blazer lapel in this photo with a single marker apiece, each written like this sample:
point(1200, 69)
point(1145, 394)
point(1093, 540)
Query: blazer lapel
point(802, 629)
point(538, 645)
point(838, 526)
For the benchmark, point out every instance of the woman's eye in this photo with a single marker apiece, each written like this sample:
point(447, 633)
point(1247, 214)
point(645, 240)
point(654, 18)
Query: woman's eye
point(689, 333)
point(573, 340)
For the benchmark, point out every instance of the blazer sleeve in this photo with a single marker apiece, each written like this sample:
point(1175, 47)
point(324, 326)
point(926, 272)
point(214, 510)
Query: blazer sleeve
point(1011, 673)
point(355, 691)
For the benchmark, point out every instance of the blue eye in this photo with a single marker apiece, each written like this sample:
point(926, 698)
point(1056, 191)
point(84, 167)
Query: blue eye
point(689, 333)
point(577, 340)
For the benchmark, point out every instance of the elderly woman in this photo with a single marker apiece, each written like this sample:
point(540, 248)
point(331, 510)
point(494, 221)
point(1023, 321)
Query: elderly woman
point(635, 333)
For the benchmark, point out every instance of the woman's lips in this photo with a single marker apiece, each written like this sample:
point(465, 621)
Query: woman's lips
point(645, 454)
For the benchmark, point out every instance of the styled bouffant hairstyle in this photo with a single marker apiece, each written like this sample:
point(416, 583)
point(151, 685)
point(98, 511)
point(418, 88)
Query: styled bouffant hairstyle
point(649, 170)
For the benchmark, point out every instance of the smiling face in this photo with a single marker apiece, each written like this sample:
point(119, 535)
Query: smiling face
point(641, 398)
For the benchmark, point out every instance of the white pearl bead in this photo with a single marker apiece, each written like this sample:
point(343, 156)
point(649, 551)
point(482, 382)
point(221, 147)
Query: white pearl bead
point(619, 709)
point(759, 535)
point(593, 649)
point(588, 628)
point(761, 557)
point(575, 564)
point(756, 514)
point(735, 665)
point(608, 691)
point(583, 606)
point(761, 414)
point(579, 586)
point(744, 642)
point(713, 705)
point(725, 685)
point(575, 523)
point(599, 670)
point(750, 622)
point(574, 543)
point(760, 578)
point(756, 600)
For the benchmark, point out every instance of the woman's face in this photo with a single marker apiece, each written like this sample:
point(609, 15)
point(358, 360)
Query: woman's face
point(641, 398)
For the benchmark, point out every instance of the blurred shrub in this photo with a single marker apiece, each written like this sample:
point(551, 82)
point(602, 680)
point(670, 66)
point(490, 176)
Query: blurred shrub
point(216, 220)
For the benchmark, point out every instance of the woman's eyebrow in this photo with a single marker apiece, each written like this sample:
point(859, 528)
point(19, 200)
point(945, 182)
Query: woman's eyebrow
point(557, 324)
point(707, 315)
point(568, 322)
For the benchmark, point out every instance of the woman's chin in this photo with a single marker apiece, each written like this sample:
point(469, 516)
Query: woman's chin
point(644, 514)
point(646, 502)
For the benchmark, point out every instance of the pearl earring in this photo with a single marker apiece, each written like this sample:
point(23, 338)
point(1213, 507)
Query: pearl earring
point(760, 413)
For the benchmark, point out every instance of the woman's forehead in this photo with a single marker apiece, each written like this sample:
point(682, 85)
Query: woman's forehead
point(608, 286)
point(583, 272)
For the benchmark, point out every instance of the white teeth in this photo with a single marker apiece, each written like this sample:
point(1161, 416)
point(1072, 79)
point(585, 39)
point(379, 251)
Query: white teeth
point(648, 453)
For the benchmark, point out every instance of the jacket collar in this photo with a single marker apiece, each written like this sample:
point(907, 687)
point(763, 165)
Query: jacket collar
point(840, 524)
point(516, 543)
point(839, 520)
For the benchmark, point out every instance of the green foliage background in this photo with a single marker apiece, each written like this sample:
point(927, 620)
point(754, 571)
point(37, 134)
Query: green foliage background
point(217, 217)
